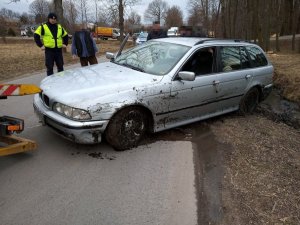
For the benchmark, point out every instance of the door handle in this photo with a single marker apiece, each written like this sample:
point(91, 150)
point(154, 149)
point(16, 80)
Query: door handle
point(248, 76)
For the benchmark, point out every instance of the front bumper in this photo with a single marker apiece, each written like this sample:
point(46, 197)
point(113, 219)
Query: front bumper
point(88, 132)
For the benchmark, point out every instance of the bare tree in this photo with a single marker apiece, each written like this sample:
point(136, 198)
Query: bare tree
point(24, 19)
point(71, 14)
point(156, 10)
point(277, 12)
point(3, 28)
point(83, 9)
point(174, 17)
point(204, 13)
point(133, 22)
point(9, 14)
point(116, 8)
point(103, 18)
point(295, 21)
point(195, 17)
point(58, 9)
point(40, 9)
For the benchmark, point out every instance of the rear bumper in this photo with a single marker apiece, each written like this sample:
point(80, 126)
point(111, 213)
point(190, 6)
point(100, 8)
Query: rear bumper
point(88, 132)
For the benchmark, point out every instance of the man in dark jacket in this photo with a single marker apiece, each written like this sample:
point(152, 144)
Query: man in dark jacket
point(84, 46)
point(156, 32)
point(54, 37)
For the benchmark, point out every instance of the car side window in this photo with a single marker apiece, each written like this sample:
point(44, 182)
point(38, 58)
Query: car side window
point(230, 58)
point(202, 62)
point(256, 56)
point(244, 58)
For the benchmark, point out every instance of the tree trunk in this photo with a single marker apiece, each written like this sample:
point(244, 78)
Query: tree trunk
point(121, 19)
point(59, 11)
point(224, 19)
point(295, 16)
point(277, 42)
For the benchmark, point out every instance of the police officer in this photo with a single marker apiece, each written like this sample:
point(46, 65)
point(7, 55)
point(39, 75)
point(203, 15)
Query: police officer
point(54, 38)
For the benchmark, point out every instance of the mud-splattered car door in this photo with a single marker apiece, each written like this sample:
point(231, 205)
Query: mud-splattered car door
point(190, 100)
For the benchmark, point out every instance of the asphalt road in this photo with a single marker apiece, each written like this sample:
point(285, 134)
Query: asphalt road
point(66, 183)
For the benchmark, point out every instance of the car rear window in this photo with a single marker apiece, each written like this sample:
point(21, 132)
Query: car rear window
point(256, 56)
point(230, 58)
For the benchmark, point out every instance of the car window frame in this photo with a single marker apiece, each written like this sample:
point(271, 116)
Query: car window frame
point(214, 67)
point(239, 46)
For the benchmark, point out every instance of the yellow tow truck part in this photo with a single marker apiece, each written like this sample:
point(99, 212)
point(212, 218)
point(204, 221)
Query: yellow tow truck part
point(10, 144)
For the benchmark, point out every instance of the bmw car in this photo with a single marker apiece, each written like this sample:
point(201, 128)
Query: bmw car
point(162, 84)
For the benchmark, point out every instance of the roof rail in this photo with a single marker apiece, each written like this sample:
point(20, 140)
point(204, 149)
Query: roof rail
point(218, 39)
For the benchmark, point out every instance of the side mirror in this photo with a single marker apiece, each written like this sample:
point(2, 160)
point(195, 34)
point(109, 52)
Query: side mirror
point(186, 75)
point(110, 55)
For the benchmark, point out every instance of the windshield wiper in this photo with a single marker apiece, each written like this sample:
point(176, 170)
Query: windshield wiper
point(133, 67)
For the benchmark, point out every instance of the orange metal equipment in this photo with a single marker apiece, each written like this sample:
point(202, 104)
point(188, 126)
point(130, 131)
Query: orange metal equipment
point(10, 144)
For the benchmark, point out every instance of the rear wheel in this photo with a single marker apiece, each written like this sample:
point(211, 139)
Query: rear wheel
point(126, 128)
point(249, 102)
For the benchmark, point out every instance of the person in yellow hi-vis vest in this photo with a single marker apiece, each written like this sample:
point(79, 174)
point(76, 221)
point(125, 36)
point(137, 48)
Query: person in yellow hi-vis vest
point(51, 37)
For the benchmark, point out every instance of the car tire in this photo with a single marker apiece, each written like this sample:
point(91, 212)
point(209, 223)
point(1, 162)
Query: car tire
point(249, 102)
point(126, 128)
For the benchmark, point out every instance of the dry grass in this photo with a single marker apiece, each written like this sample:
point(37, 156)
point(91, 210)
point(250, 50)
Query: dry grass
point(287, 75)
point(262, 173)
point(23, 57)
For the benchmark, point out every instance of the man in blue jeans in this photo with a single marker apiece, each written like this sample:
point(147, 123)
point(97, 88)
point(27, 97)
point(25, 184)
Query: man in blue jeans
point(84, 46)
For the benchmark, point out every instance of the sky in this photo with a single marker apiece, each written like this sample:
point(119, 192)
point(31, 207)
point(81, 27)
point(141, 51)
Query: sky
point(23, 6)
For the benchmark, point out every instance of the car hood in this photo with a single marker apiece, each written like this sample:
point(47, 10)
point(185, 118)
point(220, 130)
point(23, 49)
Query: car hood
point(80, 87)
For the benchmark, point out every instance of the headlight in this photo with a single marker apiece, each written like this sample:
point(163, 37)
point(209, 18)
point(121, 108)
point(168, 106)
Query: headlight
point(70, 112)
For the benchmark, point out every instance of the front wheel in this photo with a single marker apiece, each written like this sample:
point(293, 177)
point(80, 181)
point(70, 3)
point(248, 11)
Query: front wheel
point(249, 102)
point(126, 128)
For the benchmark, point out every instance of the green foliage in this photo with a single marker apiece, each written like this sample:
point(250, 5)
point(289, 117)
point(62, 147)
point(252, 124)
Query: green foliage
point(11, 32)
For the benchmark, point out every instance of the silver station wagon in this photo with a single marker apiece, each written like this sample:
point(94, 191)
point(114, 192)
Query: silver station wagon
point(162, 84)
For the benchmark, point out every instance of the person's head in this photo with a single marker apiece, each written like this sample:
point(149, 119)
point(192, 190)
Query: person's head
point(52, 18)
point(156, 25)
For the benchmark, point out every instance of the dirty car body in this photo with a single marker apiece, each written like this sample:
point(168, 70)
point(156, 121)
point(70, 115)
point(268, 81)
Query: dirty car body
point(159, 85)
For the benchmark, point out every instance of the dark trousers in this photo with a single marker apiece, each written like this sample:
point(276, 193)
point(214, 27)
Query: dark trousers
point(51, 56)
point(84, 61)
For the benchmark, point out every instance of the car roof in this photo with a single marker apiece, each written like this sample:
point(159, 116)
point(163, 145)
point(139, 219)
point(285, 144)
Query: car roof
point(192, 41)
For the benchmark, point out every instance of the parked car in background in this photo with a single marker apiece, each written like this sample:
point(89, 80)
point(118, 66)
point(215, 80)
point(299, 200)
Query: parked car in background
point(142, 38)
point(172, 32)
point(161, 84)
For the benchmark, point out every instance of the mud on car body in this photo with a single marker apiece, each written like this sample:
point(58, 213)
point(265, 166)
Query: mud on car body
point(159, 85)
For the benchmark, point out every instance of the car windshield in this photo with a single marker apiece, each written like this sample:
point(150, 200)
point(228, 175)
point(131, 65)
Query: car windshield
point(153, 57)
